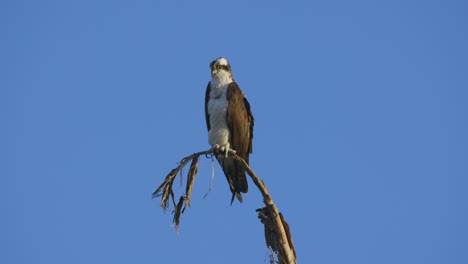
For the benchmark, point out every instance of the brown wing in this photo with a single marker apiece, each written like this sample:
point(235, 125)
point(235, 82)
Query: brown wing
point(240, 121)
point(207, 97)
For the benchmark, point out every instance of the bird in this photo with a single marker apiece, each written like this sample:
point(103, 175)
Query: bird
point(230, 124)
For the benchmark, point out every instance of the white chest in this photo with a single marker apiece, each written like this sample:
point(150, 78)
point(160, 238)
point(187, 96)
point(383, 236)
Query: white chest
point(217, 109)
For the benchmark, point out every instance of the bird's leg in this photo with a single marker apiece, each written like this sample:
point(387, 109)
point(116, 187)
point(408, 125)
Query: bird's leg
point(225, 149)
point(216, 149)
point(220, 149)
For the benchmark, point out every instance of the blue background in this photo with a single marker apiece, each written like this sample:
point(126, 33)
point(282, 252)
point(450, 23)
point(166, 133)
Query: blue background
point(360, 135)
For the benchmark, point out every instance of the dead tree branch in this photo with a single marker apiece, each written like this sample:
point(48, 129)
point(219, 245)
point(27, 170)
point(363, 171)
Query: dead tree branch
point(277, 233)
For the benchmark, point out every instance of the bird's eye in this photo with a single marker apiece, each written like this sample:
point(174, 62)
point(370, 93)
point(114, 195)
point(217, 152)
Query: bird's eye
point(218, 67)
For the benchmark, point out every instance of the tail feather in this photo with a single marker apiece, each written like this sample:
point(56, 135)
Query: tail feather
point(235, 176)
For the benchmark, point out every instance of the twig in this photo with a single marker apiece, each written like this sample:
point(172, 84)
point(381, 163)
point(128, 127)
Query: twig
point(166, 187)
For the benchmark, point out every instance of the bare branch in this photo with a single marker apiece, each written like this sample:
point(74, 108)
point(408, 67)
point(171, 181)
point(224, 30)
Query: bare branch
point(277, 233)
point(279, 229)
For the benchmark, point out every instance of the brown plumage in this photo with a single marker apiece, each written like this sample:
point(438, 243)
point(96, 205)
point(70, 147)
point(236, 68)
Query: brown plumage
point(240, 122)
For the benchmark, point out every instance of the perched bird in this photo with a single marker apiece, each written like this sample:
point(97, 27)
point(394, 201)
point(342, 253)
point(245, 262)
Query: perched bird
point(230, 124)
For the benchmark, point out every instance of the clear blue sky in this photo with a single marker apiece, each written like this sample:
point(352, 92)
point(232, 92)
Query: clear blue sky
point(361, 129)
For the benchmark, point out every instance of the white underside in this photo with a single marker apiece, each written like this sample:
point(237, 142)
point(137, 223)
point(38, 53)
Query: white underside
point(217, 109)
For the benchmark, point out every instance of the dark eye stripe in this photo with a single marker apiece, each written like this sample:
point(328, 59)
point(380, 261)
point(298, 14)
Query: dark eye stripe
point(213, 66)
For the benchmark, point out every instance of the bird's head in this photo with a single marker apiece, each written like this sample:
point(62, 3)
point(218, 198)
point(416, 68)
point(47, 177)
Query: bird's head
point(220, 68)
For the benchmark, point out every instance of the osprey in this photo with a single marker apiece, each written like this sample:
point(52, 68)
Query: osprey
point(230, 124)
